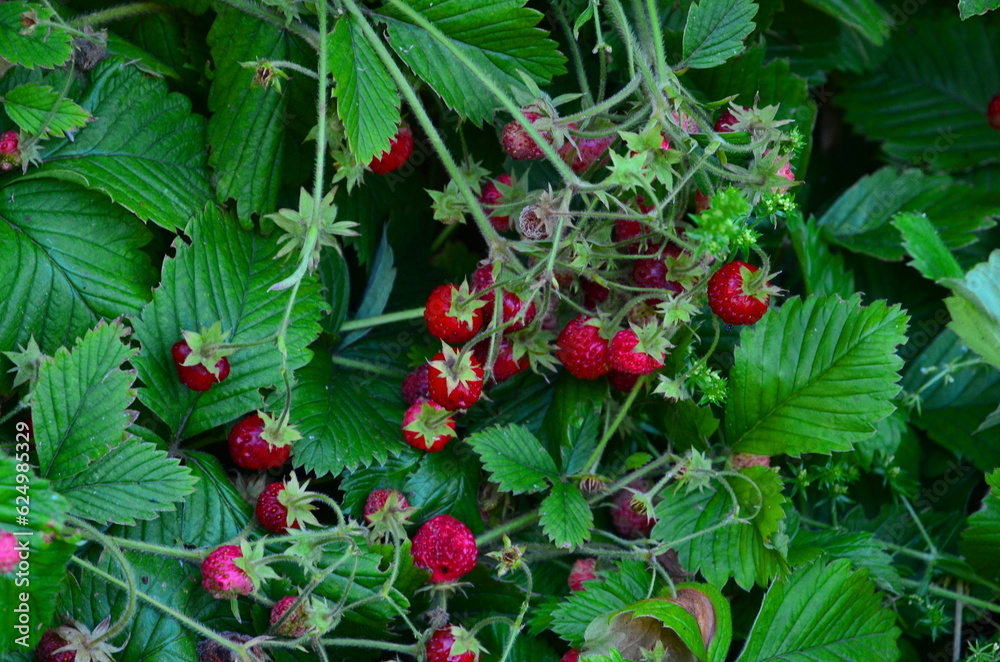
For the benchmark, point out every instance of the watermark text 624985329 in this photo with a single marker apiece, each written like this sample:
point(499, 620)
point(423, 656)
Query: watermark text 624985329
point(22, 509)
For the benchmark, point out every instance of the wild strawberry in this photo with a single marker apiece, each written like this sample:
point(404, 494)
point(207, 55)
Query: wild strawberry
point(685, 122)
point(197, 377)
point(456, 379)
point(505, 366)
point(572, 655)
point(627, 231)
point(651, 272)
point(531, 225)
point(631, 521)
point(283, 506)
point(623, 381)
point(743, 460)
point(261, 442)
point(516, 314)
point(638, 353)
point(10, 153)
point(384, 499)
point(415, 386)
point(76, 642)
point(294, 625)
point(223, 578)
point(518, 144)
point(9, 556)
point(452, 644)
point(453, 314)
point(428, 426)
point(993, 112)
point(587, 152)
point(582, 571)
point(490, 197)
point(446, 547)
point(594, 294)
point(49, 644)
point(726, 121)
point(400, 148)
point(582, 349)
point(736, 295)
point(210, 650)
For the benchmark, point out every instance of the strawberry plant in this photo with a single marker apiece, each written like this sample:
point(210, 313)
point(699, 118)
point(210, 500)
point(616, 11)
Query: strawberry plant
point(473, 330)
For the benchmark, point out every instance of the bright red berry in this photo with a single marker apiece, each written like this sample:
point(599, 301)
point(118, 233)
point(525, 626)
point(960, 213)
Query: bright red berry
point(197, 377)
point(622, 381)
point(729, 297)
point(415, 388)
point(582, 571)
point(446, 547)
point(427, 426)
point(726, 121)
point(594, 294)
point(400, 148)
point(452, 314)
point(582, 349)
point(271, 513)
point(505, 366)
point(248, 448)
point(651, 272)
point(490, 197)
point(624, 358)
point(452, 644)
point(9, 556)
point(587, 152)
point(295, 625)
point(456, 379)
point(572, 655)
point(49, 644)
point(221, 577)
point(377, 500)
point(515, 313)
point(626, 518)
point(993, 112)
point(518, 144)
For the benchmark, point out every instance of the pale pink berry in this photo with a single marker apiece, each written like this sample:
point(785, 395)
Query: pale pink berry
point(9, 556)
point(222, 577)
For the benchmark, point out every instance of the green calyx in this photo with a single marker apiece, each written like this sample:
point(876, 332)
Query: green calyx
point(26, 362)
point(277, 432)
point(431, 423)
point(299, 503)
point(464, 304)
point(456, 367)
point(297, 224)
point(207, 347)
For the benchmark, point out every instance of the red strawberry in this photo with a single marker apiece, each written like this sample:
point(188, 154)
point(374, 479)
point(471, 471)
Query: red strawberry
point(296, 624)
point(622, 381)
point(9, 554)
point(626, 231)
point(588, 151)
point(993, 112)
point(530, 225)
point(505, 366)
point(10, 153)
point(76, 641)
point(583, 570)
point(518, 144)
point(378, 499)
point(743, 460)
point(453, 314)
point(594, 294)
point(400, 148)
point(446, 547)
point(629, 354)
point(625, 516)
point(49, 644)
point(726, 121)
point(452, 644)
point(250, 450)
point(582, 349)
point(512, 313)
point(428, 426)
point(456, 379)
point(572, 655)
point(652, 272)
point(482, 279)
point(197, 377)
point(221, 577)
point(736, 296)
point(490, 197)
point(415, 386)
point(271, 514)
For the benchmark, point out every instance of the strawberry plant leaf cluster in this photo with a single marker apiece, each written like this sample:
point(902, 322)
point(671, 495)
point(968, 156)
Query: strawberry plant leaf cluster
point(499, 331)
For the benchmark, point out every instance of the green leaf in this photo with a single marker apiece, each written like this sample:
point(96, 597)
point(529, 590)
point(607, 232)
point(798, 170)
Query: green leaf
point(814, 377)
point(83, 396)
point(952, 410)
point(822, 613)
point(499, 36)
point(49, 551)
point(927, 101)
point(746, 551)
point(345, 420)
point(980, 542)
point(336, 281)
point(565, 516)
point(627, 583)
point(863, 550)
point(516, 460)
point(145, 149)
point(630, 631)
point(134, 481)
point(715, 31)
point(377, 291)
point(975, 309)
point(573, 421)
point(921, 240)
point(246, 131)
point(70, 257)
point(367, 102)
point(866, 16)
point(447, 482)
point(860, 219)
point(33, 106)
point(222, 276)
point(42, 47)
point(969, 8)
point(823, 271)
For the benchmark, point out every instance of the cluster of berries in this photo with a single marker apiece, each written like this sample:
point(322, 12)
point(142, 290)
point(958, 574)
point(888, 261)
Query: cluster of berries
point(10, 151)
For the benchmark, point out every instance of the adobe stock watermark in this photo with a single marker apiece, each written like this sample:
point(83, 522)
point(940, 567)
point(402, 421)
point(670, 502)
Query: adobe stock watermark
point(21, 609)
